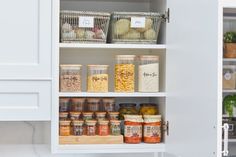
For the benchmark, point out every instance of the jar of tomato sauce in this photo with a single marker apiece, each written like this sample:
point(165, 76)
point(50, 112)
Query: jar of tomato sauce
point(152, 129)
point(133, 128)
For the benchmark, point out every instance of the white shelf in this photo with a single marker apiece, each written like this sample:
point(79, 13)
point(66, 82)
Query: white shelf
point(112, 148)
point(113, 94)
point(229, 91)
point(228, 3)
point(113, 46)
point(229, 59)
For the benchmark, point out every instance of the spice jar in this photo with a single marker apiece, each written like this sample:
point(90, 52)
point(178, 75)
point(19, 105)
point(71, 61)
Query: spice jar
point(78, 127)
point(70, 78)
point(124, 73)
point(87, 115)
point(93, 104)
point(75, 115)
point(115, 127)
point(229, 77)
point(127, 109)
point(64, 104)
point(108, 104)
point(152, 129)
point(148, 73)
point(64, 128)
point(100, 115)
point(103, 128)
point(63, 116)
point(148, 109)
point(113, 115)
point(77, 104)
point(97, 80)
point(133, 129)
point(91, 127)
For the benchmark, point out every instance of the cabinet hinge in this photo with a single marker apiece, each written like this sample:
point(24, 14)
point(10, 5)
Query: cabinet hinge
point(166, 16)
point(165, 127)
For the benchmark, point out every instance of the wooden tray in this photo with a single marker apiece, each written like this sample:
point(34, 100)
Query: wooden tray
point(91, 139)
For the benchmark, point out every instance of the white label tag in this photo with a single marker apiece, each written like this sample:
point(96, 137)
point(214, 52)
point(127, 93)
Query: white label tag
point(137, 22)
point(86, 22)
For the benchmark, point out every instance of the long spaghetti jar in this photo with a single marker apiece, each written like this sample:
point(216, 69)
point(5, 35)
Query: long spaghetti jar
point(152, 129)
point(125, 73)
point(133, 129)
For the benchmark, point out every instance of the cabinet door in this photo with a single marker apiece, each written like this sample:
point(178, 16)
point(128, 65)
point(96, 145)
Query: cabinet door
point(193, 79)
point(25, 50)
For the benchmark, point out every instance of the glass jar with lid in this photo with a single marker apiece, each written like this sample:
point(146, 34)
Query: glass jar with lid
point(77, 104)
point(108, 104)
point(127, 109)
point(97, 80)
point(64, 128)
point(70, 78)
point(91, 127)
point(148, 109)
point(125, 73)
point(77, 127)
point(93, 104)
point(64, 104)
point(148, 73)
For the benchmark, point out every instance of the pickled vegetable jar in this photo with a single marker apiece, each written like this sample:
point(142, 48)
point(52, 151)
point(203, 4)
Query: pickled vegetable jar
point(64, 129)
point(108, 104)
point(77, 104)
point(93, 104)
point(148, 73)
point(103, 128)
point(148, 109)
point(77, 127)
point(152, 129)
point(97, 80)
point(64, 104)
point(125, 73)
point(70, 78)
point(115, 127)
point(91, 127)
point(127, 109)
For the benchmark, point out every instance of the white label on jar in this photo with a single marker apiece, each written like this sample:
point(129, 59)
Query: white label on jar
point(137, 22)
point(228, 76)
point(133, 131)
point(152, 131)
point(149, 78)
point(86, 22)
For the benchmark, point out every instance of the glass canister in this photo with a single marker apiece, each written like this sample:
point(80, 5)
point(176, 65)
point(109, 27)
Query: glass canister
point(77, 104)
point(115, 127)
point(91, 127)
point(108, 104)
point(64, 128)
point(152, 129)
point(64, 104)
point(148, 109)
point(127, 109)
point(70, 78)
point(97, 80)
point(125, 73)
point(103, 128)
point(93, 104)
point(77, 127)
point(148, 73)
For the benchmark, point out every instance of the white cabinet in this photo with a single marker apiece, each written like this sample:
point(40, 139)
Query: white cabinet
point(25, 59)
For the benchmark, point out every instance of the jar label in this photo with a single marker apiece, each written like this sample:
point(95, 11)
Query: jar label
point(133, 131)
point(152, 131)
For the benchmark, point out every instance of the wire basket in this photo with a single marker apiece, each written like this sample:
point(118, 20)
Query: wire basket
point(84, 27)
point(135, 27)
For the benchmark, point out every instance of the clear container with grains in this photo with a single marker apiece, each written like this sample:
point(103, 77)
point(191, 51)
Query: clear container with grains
point(108, 104)
point(77, 127)
point(229, 77)
point(125, 73)
point(93, 104)
point(78, 104)
point(148, 73)
point(152, 129)
point(70, 78)
point(64, 129)
point(97, 80)
point(64, 104)
point(91, 127)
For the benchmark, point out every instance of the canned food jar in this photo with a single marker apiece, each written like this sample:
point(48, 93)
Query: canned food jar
point(125, 73)
point(100, 115)
point(70, 78)
point(152, 129)
point(148, 73)
point(64, 104)
point(113, 115)
point(77, 104)
point(148, 109)
point(97, 80)
point(75, 115)
point(64, 128)
point(93, 104)
point(91, 127)
point(78, 128)
point(133, 129)
point(108, 104)
point(63, 115)
point(127, 109)
point(103, 128)
point(115, 128)
point(87, 115)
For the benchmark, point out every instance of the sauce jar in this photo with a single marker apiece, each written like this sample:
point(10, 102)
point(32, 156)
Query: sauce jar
point(75, 115)
point(125, 73)
point(63, 115)
point(108, 104)
point(133, 129)
point(87, 115)
point(113, 115)
point(93, 104)
point(115, 129)
point(64, 128)
point(77, 104)
point(97, 80)
point(91, 127)
point(148, 73)
point(152, 129)
point(70, 78)
point(103, 128)
point(148, 109)
point(127, 109)
point(64, 104)
point(77, 127)
point(100, 115)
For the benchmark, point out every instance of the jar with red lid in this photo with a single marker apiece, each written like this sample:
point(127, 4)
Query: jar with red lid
point(77, 104)
point(103, 128)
